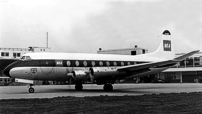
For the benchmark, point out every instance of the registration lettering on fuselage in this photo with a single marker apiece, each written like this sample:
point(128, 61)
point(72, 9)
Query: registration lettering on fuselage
point(59, 63)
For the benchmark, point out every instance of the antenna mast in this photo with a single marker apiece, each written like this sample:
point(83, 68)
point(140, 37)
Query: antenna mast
point(47, 41)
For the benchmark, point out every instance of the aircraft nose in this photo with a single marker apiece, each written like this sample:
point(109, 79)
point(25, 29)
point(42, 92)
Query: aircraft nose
point(8, 69)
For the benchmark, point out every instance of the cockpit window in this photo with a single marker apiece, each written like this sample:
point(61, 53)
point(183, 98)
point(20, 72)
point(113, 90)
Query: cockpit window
point(28, 58)
point(25, 58)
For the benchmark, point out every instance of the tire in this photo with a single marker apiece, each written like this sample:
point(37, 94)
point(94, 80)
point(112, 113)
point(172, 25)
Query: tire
point(31, 90)
point(78, 87)
point(108, 87)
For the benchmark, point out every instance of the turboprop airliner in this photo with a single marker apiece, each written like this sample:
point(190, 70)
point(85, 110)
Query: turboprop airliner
point(102, 69)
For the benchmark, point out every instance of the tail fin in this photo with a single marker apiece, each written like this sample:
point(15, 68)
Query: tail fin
point(165, 49)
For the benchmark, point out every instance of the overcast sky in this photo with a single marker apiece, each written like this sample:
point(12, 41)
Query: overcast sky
point(86, 25)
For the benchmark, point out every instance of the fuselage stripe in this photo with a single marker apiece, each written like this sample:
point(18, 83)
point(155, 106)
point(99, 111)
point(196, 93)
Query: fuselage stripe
point(76, 63)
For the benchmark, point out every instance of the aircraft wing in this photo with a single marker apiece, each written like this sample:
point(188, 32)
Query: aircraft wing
point(161, 64)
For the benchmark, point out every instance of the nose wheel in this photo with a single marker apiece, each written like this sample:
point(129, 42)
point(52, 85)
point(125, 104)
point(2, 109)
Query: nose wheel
point(31, 89)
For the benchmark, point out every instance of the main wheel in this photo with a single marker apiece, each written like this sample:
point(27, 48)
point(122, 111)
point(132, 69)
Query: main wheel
point(31, 90)
point(79, 87)
point(108, 87)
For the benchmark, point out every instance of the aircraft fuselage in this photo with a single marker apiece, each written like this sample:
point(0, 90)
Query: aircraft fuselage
point(61, 70)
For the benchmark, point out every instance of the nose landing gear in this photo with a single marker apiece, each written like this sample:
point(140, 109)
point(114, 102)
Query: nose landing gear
point(31, 89)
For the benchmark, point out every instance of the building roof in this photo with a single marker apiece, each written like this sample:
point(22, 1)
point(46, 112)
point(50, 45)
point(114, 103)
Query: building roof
point(14, 49)
point(187, 69)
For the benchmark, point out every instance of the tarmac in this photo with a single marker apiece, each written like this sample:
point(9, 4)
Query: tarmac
point(51, 91)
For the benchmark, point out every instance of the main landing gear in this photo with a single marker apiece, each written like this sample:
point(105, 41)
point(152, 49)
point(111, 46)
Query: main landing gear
point(78, 86)
point(31, 89)
point(108, 87)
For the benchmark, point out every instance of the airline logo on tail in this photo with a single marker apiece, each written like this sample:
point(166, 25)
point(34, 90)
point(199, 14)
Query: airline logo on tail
point(167, 45)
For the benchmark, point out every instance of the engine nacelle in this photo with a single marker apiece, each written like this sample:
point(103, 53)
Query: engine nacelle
point(95, 75)
point(108, 74)
point(80, 75)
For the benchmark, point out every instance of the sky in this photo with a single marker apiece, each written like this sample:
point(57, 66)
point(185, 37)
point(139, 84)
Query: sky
point(87, 25)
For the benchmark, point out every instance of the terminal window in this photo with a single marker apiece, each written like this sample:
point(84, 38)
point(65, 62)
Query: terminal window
point(143, 51)
point(133, 53)
point(7, 54)
point(14, 55)
point(18, 54)
point(4, 53)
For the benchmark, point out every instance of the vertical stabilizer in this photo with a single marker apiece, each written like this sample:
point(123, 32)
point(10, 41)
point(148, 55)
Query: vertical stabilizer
point(165, 49)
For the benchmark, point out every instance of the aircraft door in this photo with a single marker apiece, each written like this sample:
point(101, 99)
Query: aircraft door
point(91, 73)
point(47, 68)
point(61, 71)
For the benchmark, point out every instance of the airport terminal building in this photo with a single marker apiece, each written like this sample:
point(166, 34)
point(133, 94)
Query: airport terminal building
point(125, 51)
point(187, 71)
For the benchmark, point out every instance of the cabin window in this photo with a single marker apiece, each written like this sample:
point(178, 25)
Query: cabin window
point(108, 64)
point(122, 64)
point(128, 63)
point(77, 63)
point(85, 63)
point(25, 58)
point(101, 64)
point(93, 63)
point(115, 64)
point(68, 63)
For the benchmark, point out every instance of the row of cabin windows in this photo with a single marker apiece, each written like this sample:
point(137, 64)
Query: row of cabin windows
point(100, 63)
point(6, 54)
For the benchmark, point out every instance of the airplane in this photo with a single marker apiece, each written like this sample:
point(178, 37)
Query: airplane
point(101, 69)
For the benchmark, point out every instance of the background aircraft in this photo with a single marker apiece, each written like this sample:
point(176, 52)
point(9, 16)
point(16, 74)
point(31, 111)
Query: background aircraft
point(95, 68)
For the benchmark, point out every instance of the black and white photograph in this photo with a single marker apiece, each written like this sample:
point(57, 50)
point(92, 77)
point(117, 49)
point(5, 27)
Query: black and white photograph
point(101, 56)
